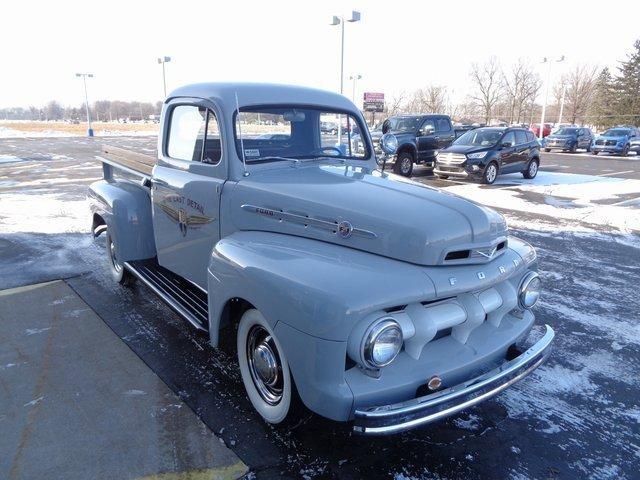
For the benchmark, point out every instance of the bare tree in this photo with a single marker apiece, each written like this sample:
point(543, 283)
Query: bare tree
point(580, 84)
point(396, 103)
point(521, 85)
point(487, 85)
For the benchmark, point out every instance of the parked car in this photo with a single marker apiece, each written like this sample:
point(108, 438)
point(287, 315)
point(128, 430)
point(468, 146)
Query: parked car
point(616, 140)
point(634, 145)
point(420, 137)
point(329, 128)
point(351, 292)
point(535, 128)
point(569, 139)
point(485, 153)
point(462, 129)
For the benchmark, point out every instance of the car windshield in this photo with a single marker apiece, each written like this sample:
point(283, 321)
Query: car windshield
point(480, 137)
point(616, 132)
point(567, 131)
point(401, 124)
point(296, 132)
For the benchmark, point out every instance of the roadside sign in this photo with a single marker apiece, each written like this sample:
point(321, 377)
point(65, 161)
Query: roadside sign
point(373, 102)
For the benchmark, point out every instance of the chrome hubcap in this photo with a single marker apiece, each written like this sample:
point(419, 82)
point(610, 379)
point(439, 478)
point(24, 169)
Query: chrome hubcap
point(533, 168)
point(406, 165)
point(265, 365)
point(112, 256)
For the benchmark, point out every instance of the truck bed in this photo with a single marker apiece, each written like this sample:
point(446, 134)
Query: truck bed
point(134, 162)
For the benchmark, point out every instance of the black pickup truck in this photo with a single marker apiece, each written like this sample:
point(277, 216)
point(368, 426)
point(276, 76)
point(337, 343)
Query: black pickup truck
point(419, 139)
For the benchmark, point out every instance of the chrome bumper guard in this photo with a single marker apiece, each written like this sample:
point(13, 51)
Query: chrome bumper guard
point(388, 419)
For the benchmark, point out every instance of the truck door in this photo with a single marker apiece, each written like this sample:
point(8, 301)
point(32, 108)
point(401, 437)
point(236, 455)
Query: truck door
point(444, 132)
point(426, 140)
point(186, 187)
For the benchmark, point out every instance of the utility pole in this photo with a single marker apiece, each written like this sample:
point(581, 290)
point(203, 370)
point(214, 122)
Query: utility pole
point(546, 94)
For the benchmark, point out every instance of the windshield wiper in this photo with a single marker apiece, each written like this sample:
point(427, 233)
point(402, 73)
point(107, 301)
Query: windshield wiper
point(274, 158)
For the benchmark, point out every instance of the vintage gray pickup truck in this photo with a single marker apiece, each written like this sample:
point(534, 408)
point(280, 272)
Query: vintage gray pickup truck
point(354, 292)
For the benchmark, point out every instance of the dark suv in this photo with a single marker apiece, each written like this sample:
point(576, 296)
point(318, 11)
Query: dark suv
point(568, 139)
point(484, 153)
point(420, 137)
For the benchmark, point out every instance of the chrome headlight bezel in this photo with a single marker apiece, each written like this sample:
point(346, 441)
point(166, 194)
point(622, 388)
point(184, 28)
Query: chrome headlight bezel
point(527, 281)
point(371, 336)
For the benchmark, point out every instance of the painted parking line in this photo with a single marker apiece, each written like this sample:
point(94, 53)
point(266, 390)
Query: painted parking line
point(616, 173)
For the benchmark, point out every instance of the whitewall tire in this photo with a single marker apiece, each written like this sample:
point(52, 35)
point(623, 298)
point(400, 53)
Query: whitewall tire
point(264, 368)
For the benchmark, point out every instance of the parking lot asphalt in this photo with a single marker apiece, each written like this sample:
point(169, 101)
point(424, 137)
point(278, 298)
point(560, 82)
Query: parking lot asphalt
point(578, 416)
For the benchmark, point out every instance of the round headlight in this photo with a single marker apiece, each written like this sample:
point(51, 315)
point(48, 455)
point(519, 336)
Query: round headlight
point(529, 291)
point(382, 343)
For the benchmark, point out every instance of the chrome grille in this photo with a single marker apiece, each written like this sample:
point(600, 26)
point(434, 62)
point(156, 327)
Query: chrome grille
point(450, 158)
point(611, 143)
point(599, 142)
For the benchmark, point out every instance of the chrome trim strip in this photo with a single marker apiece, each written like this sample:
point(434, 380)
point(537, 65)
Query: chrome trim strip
point(304, 220)
point(169, 300)
point(100, 229)
point(515, 369)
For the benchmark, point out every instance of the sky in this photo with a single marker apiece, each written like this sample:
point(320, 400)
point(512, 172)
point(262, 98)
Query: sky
point(399, 45)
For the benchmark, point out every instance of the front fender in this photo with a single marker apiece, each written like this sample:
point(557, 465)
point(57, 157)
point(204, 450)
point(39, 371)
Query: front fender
point(126, 209)
point(319, 288)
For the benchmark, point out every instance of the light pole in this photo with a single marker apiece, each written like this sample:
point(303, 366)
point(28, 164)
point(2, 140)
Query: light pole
point(355, 17)
point(163, 60)
point(546, 94)
point(86, 101)
point(355, 78)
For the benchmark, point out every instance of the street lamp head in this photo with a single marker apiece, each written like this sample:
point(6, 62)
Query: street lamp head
point(167, 59)
point(335, 21)
point(90, 75)
point(561, 59)
point(78, 74)
point(355, 17)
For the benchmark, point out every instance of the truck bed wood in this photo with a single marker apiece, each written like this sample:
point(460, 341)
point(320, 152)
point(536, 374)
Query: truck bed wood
point(130, 160)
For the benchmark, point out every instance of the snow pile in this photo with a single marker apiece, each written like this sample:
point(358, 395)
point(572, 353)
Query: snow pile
point(9, 159)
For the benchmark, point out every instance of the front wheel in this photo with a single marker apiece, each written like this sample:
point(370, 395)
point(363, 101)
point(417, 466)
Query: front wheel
point(532, 170)
point(547, 150)
point(443, 177)
point(625, 151)
point(573, 148)
point(265, 370)
point(119, 274)
point(595, 152)
point(490, 173)
point(404, 164)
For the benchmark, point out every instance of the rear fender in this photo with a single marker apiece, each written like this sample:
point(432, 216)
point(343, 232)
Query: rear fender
point(125, 209)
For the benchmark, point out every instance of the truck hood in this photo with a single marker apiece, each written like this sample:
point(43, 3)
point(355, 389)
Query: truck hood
point(358, 208)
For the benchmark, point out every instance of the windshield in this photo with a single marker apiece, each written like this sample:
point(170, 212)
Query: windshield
point(567, 131)
point(480, 137)
point(616, 132)
point(400, 124)
point(272, 133)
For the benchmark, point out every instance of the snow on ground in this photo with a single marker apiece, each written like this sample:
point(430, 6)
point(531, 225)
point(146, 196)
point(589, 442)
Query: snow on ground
point(42, 213)
point(584, 201)
point(9, 159)
point(12, 133)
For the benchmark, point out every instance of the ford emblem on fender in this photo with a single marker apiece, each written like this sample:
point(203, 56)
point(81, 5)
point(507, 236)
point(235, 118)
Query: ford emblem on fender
point(345, 229)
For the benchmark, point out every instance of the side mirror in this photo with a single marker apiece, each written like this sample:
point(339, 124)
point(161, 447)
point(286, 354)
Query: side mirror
point(428, 130)
point(389, 143)
point(386, 126)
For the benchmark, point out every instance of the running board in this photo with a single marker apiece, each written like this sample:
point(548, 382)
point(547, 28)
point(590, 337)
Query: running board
point(187, 300)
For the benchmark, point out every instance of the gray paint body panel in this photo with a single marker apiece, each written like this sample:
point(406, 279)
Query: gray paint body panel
point(313, 285)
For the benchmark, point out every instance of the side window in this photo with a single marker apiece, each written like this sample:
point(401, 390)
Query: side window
point(428, 123)
point(186, 132)
point(530, 136)
point(212, 152)
point(510, 138)
point(521, 137)
point(443, 125)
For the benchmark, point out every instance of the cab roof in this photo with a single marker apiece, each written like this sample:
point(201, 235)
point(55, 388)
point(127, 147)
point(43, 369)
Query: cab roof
point(250, 94)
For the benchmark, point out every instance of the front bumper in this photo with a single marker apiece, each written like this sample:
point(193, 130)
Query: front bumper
point(388, 419)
